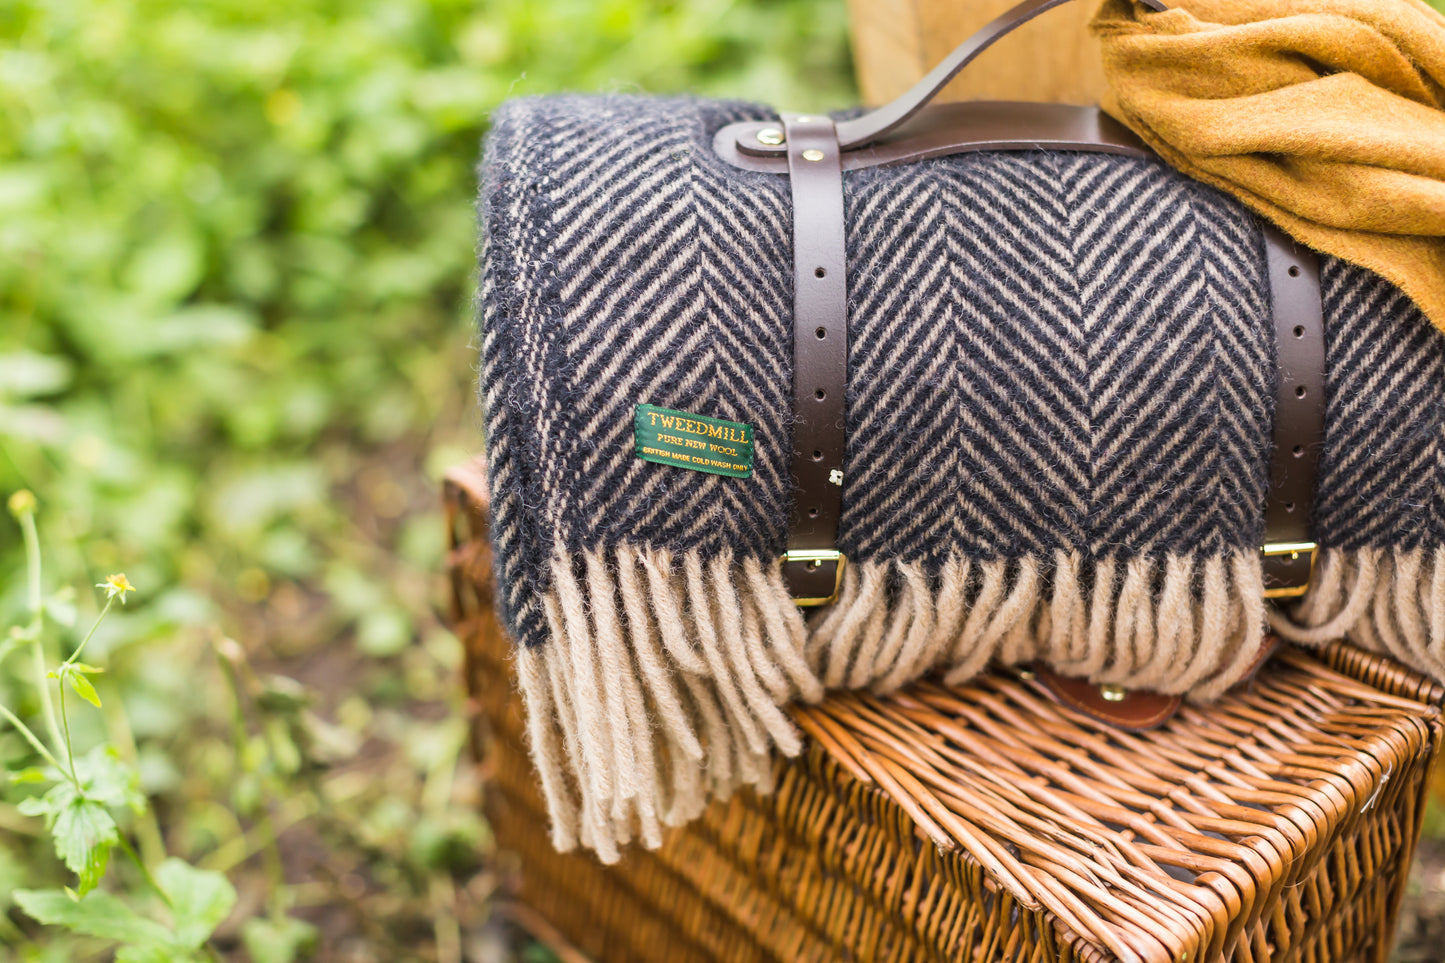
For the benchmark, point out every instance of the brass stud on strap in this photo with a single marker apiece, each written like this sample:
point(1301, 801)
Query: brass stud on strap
point(771, 136)
point(1113, 693)
point(812, 154)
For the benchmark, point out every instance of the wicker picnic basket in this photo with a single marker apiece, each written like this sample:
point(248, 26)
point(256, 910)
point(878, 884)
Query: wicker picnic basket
point(986, 822)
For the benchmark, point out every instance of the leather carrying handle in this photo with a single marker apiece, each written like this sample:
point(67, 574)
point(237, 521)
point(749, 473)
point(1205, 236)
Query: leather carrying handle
point(941, 130)
point(862, 131)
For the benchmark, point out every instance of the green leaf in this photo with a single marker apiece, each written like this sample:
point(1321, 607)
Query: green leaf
point(97, 914)
point(82, 829)
point(200, 900)
point(283, 940)
point(49, 804)
point(82, 686)
point(384, 631)
point(109, 780)
point(194, 328)
point(166, 268)
point(32, 424)
point(283, 695)
point(84, 834)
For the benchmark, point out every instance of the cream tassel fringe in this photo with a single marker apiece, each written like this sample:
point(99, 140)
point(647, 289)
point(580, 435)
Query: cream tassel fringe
point(665, 676)
point(1388, 601)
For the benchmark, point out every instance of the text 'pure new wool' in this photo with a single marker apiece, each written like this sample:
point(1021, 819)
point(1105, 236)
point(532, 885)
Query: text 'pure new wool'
point(1060, 396)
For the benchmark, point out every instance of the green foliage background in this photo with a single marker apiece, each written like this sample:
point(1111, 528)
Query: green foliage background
point(236, 249)
point(236, 238)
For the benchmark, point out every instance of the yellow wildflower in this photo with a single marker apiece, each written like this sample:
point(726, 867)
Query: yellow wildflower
point(22, 503)
point(116, 586)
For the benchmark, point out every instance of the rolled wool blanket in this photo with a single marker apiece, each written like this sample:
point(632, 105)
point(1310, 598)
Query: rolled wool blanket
point(1061, 383)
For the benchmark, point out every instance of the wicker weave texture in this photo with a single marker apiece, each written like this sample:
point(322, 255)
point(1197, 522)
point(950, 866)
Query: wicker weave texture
point(988, 823)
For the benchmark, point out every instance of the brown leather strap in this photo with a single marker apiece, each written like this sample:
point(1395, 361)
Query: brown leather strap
point(816, 151)
point(1293, 271)
point(944, 129)
point(812, 566)
point(868, 128)
point(1299, 413)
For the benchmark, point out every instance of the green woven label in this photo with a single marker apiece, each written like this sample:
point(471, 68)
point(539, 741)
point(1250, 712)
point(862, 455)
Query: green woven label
point(698, 442)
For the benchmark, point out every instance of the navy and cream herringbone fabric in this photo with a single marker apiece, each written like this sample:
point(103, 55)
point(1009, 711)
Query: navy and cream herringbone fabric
point(1061, 381)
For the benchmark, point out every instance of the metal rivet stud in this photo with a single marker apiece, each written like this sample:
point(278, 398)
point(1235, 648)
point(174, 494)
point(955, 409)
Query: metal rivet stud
point(1113, 693)
point(770, 136)
point(812, 154)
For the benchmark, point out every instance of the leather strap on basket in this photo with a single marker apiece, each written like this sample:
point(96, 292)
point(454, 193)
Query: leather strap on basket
point(1299, 414)
point(812, 566)
point(816, 151)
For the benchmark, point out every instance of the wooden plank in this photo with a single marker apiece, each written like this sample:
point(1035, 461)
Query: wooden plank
point(1052, 58)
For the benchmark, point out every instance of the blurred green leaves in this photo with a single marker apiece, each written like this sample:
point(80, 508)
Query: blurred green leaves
point(237, 235)
point(78, 814)
point(198, 902)
point(278, 941)
point(84, 831)
point(96, 914)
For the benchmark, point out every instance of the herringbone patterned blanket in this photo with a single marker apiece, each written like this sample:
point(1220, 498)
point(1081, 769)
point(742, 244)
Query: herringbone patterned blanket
point(1061, 382)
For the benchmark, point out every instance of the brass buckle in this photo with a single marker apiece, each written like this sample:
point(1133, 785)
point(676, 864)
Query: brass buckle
point(1293, 550)
point(813, 558)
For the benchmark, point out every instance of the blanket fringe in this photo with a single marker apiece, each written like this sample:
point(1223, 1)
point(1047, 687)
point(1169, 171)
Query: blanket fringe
point(1388, 601)
point(665, 677)
point(664, 680)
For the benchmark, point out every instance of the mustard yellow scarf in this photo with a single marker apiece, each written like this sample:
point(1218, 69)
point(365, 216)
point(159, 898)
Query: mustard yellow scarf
point(1325, 116)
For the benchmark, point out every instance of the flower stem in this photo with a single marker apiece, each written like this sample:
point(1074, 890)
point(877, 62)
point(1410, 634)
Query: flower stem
point(69, 752)
point(30, 737)
point(32, 567)
point(98, 619)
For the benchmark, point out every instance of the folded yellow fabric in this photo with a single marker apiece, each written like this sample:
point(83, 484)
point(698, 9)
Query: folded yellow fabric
point(1325, 116)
